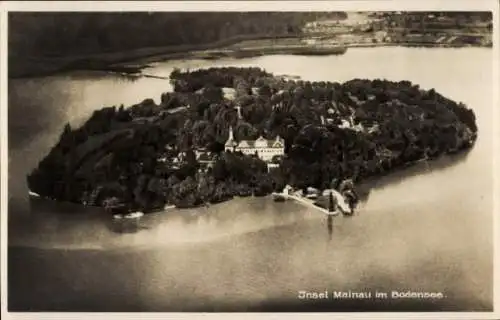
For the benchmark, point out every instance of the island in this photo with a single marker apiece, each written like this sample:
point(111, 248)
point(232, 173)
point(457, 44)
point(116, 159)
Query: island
point(226, 132)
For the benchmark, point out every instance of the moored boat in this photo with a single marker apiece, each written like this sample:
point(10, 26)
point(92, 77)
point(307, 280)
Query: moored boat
point(33, 194)
point(132, 215)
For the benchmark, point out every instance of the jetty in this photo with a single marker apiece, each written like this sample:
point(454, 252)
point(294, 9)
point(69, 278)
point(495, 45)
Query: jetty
point(341, 204)
point(309, 203)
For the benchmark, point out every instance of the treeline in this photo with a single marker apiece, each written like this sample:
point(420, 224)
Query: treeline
point(67, 33)
point(144, 156)
point(216, 77)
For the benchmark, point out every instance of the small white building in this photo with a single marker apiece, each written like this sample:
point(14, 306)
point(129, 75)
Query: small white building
point(266, 149)
point(271, 165)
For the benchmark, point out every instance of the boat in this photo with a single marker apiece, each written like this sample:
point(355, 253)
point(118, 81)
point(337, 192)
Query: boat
point(132, 215)
point(312, 196)
point(33, 194)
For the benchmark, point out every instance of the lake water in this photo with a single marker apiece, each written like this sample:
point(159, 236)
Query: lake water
point(427, 228)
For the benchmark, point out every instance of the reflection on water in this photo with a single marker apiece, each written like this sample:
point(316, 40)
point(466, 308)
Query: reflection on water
point(125, 225)
point(330, 226)
point(78, 227)
point(424, 228)
point(400, 175)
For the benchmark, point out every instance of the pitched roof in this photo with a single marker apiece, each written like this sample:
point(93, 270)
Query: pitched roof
point(278, 144)
point(261, 142)
point(246, 143)
point(269, 143)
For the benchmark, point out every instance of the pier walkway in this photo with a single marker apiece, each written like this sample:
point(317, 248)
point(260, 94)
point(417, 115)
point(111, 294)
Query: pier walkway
point(342, 206)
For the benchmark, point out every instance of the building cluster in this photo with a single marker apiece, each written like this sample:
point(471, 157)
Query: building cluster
point(389, 26)
point(267, 150)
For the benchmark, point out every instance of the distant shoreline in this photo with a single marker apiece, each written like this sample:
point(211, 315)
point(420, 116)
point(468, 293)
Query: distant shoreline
point(126, 62)
point(26, 66)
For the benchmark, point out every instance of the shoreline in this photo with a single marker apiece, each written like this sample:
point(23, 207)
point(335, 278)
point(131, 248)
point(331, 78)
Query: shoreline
point(46, 65)
point(363, 187)
point(386, 160)
point(127, 62)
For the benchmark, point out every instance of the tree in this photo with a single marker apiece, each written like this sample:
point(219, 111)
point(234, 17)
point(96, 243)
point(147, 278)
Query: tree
point(265, 91)
point(400, 124)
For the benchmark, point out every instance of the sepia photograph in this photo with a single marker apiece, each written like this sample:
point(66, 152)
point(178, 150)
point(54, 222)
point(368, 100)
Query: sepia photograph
point(218, 157)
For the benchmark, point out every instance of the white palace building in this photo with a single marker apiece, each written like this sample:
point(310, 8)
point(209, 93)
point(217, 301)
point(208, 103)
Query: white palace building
point(265, 149)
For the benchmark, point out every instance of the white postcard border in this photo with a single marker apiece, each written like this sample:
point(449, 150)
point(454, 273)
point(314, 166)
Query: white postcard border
point(371, 5)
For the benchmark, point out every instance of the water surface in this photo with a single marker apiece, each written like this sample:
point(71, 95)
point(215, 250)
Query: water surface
point(427, 228)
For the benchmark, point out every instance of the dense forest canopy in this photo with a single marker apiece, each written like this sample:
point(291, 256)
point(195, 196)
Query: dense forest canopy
point(144, 156)
point(63, 33)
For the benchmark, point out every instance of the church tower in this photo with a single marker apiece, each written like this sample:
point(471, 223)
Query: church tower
point(238, 108)
point(230, 143)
